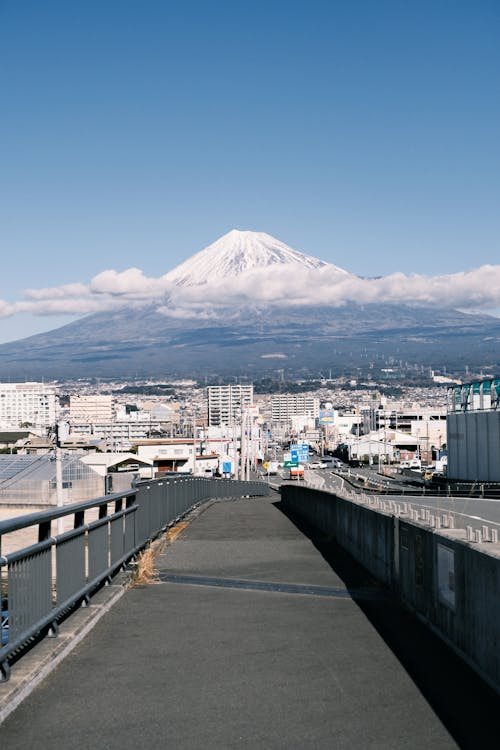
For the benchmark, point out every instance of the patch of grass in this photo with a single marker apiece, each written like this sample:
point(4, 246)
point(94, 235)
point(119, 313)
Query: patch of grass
point(146, 572)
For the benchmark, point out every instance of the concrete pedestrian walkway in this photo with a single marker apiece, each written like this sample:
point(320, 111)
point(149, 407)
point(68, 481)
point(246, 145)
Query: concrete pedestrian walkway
point(249, 639)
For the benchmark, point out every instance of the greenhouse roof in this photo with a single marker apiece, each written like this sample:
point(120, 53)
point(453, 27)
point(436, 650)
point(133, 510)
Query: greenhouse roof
point(16, 468)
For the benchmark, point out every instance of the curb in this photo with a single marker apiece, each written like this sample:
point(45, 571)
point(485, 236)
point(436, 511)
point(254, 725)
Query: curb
point(36, 665)
point(46, 655)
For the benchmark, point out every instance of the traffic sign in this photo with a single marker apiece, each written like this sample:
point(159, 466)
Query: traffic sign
point(300, 452)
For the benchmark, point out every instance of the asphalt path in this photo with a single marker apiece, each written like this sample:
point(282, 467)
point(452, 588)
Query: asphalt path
point(257, 634)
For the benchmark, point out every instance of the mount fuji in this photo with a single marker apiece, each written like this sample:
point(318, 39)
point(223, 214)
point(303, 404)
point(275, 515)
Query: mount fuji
point(238, 252)
point(249, 304)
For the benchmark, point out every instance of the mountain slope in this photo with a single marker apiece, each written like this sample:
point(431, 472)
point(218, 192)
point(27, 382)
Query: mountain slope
point(146, 343)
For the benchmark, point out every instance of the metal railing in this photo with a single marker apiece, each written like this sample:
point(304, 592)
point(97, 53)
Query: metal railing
point(41, 583)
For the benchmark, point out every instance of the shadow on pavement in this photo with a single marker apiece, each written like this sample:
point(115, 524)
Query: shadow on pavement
point(465, 704)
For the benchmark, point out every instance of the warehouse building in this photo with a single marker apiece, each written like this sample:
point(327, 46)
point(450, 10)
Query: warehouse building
point(473, 427)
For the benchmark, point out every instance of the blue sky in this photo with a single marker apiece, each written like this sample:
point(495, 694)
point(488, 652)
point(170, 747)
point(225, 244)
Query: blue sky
point(132, 134)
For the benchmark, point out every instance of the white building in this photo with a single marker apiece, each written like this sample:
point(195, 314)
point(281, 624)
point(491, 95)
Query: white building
point(387, 446)
point(234, 443)
point(27, 403)
point(123, 430)
point(123, 466)
point(285, 406)
point(177, 455)
point(90, 409)
point(227, 402)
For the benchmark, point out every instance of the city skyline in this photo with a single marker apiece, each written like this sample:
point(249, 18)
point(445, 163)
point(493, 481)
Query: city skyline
point(364, 135)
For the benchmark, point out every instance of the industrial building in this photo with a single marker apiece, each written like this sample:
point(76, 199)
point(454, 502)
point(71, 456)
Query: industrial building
point(473, 423)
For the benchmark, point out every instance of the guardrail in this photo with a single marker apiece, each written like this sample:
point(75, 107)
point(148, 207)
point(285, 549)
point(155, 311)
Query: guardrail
point(40, 584)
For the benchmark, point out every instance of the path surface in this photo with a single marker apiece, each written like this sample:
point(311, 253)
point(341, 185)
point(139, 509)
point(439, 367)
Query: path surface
point(218, 655)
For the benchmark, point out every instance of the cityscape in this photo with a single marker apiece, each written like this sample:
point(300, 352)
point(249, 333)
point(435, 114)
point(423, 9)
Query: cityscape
point(249, 375)
point(121, 431)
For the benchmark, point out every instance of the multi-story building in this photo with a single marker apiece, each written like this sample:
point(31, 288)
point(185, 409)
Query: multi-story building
point(417, 418)
point(116, 431)
point(90, 409)
point(31, 404)
point(285, 406)
point(226, 403)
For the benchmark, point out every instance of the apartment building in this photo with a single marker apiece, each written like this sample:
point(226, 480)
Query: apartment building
point(31, 404)
point(226, 403)
point(90, 409)
point(286, 406)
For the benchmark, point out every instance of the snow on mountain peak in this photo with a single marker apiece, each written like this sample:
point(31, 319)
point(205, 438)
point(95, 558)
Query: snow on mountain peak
point(237, 252)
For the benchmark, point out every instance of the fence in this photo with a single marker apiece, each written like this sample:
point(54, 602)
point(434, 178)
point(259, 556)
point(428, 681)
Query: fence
point(42, 583)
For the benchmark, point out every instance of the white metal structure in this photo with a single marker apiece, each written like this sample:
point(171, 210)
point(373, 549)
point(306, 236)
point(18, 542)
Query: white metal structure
point(474, 431)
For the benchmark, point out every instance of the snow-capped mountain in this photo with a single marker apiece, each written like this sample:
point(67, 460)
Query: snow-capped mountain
point(248, 304)
point(238, 252)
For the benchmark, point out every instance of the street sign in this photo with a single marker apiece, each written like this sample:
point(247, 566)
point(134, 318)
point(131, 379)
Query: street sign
point(291, 464)
point(300, 452)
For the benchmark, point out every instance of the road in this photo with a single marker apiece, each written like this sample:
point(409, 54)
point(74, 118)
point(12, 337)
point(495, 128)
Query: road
point(473, 511)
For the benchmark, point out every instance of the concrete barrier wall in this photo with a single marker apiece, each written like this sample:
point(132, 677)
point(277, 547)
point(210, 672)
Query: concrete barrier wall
point(451, 584)
point(455, 587)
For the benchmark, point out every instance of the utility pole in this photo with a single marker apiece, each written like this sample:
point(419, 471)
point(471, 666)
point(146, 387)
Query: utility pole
point(249, 445)
point(59, 482)
point(194, 443)
point(242, 447)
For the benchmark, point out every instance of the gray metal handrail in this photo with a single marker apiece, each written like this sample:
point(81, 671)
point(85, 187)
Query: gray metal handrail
point(42, 582)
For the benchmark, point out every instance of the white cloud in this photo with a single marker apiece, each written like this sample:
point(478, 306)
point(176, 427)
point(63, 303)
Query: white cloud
point(67, 291)
point(478, 289)
point(6, 309)
point(130, 283)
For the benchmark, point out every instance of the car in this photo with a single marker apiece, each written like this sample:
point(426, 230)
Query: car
point(316, 465)
point(332, 463)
